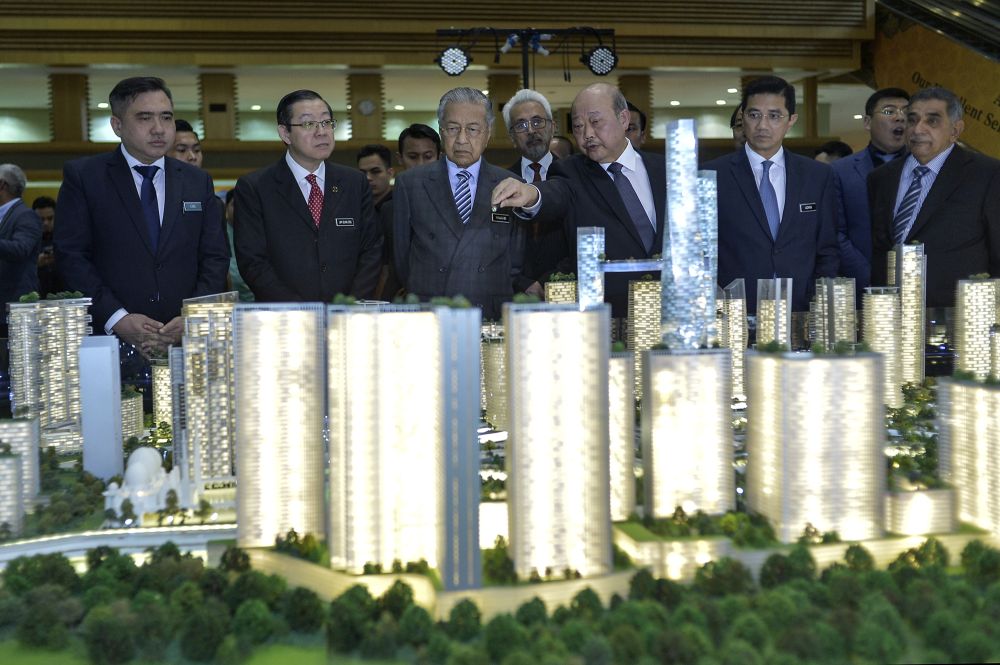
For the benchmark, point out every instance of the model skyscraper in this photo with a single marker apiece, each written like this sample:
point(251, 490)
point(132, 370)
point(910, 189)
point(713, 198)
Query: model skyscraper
point(907, 269)
point(976, 303)
point(833, 314)
point(880, 331)
point(23, 436)
point(621, 429)
point(643, 330)
point(731, 303)
point(774, 311)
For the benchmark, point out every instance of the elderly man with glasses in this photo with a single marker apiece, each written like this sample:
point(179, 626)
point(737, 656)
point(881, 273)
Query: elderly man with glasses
point(305, 228)
point(447, 240)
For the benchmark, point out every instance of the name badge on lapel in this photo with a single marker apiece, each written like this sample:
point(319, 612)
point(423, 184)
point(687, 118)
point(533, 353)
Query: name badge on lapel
point(807, 207)
point(345, 221)
point(500, 217)
point(192, 206)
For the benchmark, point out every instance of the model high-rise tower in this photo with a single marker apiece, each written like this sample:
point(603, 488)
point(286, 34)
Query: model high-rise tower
point(621, 430)
point(815, 443)
point(11, 492)
point(557, 452)
point(280, 396)
point(734, 334)
point(774, 311)
point(403, 412)
point(643, 327)
point(976, 303)
point(833, 314)
point(590, 275)
point(23, 436)
point(907, 269)
point(880, 330)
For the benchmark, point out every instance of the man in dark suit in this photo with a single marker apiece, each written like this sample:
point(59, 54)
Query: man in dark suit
point(139, 232)
point(305, 228)
point(885, 113)
point(20, 240)
point(776, 211)
point(528, 117)
point(375, 161)
point(447, 240)
point(942, 195)
point(590, 189)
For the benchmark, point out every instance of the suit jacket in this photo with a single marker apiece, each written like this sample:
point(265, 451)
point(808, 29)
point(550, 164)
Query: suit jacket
point(284, 257)
point(580, 193)
point(854, 225)
point(103, 247)
point(20, 242)
point(437, 255)
point(959, 222)
point(806, 247)
point(546, 246)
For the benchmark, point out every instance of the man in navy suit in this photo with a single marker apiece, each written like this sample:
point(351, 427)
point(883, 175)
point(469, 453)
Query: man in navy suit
point(885, 120)
point(776, 210)
point(591, 189)
point(139, 232)
point(20, 240)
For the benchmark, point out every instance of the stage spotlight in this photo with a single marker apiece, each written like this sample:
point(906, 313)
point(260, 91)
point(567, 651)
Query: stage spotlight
point(453, 60)
point(601, 60)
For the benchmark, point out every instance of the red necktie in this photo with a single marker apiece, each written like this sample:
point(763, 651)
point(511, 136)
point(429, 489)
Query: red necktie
point(315, 199)
point(537, 168)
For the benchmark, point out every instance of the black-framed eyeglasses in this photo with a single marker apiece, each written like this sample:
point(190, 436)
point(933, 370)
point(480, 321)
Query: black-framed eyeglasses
point(311, 125)
point(521, 126)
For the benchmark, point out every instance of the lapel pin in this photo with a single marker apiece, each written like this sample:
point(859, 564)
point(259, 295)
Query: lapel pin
point(334, 189)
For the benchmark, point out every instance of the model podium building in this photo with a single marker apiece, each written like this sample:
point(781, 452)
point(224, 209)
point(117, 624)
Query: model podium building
point(557, 451)
point(816, 427)
point(975, 315)
point(403, 413)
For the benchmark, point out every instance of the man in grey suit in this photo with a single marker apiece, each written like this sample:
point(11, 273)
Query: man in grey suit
point(20, 240)
point(447, 239)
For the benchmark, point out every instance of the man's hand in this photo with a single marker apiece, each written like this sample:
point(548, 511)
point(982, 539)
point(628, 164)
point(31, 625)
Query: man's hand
point(512, 193)
point(172, 331)
point(134, 329)
point(155, 345)
point(536, 289)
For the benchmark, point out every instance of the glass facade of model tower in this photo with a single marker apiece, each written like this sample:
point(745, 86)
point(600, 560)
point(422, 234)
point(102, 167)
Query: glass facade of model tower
point(975, 315)
point(907, 269)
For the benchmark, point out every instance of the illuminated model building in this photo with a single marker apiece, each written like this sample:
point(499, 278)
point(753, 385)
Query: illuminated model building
point(178, 421)
point(23, 435)
point(145, 483)
point(209, 426)
point(687, 450)
point(101, 404)
point(621, 430)
point(816, 428)
point(403, 414)
point(833, 312)
point(45, 339)
point(731, 303)
point(880, 331)
point(132, 420)
point(12, 503)
point(494, 352)
point(643, 325)
point(774, 311)
point(969, 449)
point(995, 350)
point(908, 270)
point(560, 292)
point(163, 409)
point(590, 275)
point(280, 381)
point(557, 452)
point(975, 315)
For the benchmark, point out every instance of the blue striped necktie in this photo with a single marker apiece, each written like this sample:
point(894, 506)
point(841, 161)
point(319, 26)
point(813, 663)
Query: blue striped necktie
point(901, 223)
point(463, 196)
point(770, 200)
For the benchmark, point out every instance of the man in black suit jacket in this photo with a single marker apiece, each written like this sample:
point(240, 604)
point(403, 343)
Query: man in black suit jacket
point(794, 235)
point(20, 240)
point(447, 240)
point(583, 190)
point(528, 117)
point(139, 243)
point(942, 195)
point(305, 228)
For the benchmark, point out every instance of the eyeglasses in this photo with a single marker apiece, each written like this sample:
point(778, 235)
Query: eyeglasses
point(472, 131)
point(310, 125)
point(521, 126)
point(757, 116)
point(892, 111)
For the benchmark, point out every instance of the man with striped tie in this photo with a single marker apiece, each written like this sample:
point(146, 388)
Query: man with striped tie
point(942, 195)
point(447, 239)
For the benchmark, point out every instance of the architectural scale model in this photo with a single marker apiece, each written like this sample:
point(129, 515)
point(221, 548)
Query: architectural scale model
point(833, 313)
point(621, 434)
point(734, 334)
point(907, 269)
point(774, 311)
point(23, 435)
point(880, 331)
point(976, 302)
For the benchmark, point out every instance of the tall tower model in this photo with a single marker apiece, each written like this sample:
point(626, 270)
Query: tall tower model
point(815, 443)
point(643, 325)
point(774, 311)
point(621, 430)
point(880, 330)
point(23, 436)
point(557, 452)
point(11, 492)
point(45, 339)
point(731, 303)
point(908, 270)
point(975, 315)
point(403, 413)
point(280, 396)
point(833, 314)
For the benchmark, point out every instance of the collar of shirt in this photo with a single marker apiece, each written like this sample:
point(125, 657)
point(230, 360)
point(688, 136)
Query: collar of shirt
point(627, 159)
point(5, 208)
point(880, 157)
point(299, 172)
point(757, 161)
point(473, 170)
point(159, 178)
point(934, 165)
point(528, 174)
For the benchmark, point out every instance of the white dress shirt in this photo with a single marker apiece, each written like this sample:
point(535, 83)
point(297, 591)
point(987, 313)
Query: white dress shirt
point(299, 172)
point(473, 170)
point(776, 173)
point(635, 171)
point(925, 183)
point(528, 174)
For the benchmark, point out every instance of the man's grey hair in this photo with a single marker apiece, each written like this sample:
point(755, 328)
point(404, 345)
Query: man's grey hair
point(947, 96)
point(14, 177)
point(466, 96)
point(525, 95)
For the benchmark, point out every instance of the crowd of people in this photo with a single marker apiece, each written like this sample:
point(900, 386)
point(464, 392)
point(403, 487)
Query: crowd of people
point(140, 228)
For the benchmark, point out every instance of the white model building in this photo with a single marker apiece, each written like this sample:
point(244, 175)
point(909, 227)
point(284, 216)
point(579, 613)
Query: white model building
point(816, 428)
point(880, 331)
point(100, 400)
point(163, 408)
point(774, 311)
point(907, 269)
point(621, 434)
point(590, 274)
point(687, 450)
point(403, 415)
point(731, 303)
point(45, 339)
point(12, 505)
point(146, 484)
point(280, 382)
point(557, 451)
point(833, 313)
point(23, 436)
point(494, 383)
point(132, 417)
point(976, 303)
point(643, 324)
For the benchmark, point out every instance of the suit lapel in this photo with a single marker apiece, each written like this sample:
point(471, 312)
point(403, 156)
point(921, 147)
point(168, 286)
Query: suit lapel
point(332, 199)
point(656, 170)
point(439, 193)
point(174, 186)
point(793, 187)
point(120, 175)
point(945, 183)
point(290, 191)
point(740, 168)
point(604, 185)
point(481, 209)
